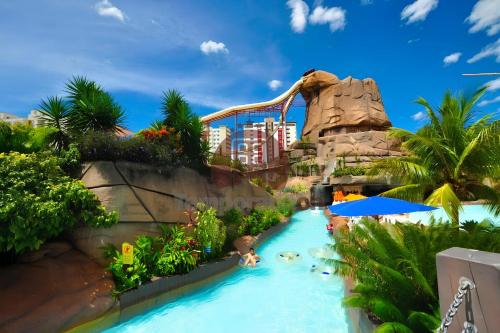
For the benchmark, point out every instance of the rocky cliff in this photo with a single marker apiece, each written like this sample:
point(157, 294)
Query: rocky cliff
point(346, 117)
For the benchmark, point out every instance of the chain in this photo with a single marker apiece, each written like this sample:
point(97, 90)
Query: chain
point(465, 285)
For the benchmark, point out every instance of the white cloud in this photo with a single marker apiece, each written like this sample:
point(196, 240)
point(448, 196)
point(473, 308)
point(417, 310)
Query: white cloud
point(452, 58)
point(419, 116)
point(489, 50)
point(489, 101)
point(411, 41)
point(493, 85)
point(106, 8)
point(418, 10)
point(334, 16)
point(366, 2)
point(485, 15)
point(274, 84)
point(298, 17)
point(210, 46)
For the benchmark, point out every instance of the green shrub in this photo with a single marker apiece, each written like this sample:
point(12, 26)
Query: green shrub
point(24, 138)
point(210, 231)
point(232, 219)
point(285, 206)
point(349, 171)
point(171, 253)
point(38, 202)
point(296, 188)
point(258, 220)
point(102, 146)
point(178, 253)
point(217, 159)
point(394, 267)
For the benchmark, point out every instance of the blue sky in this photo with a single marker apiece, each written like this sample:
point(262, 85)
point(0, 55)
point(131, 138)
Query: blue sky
point(222, 53)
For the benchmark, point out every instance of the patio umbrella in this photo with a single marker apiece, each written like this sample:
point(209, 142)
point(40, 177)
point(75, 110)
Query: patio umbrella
point(377, 206)
point(353, 196)
point(338, 196)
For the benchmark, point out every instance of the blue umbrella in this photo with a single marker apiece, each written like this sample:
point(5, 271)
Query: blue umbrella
point(377, 206)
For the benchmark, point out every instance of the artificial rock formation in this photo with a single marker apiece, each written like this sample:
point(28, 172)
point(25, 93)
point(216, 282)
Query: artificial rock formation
point(52, 290)
point(346, 117)
point(145, 196)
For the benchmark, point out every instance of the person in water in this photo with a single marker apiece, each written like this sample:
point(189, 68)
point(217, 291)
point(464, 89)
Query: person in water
point(250, 258)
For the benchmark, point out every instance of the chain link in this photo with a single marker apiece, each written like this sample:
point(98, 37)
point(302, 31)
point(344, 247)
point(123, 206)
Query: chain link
point(465, 285)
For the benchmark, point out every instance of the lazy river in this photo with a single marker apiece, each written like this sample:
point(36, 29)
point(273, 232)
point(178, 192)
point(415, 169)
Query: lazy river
point(276, 296)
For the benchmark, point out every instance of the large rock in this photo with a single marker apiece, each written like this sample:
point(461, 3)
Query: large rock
point(56, 289)
point(145, 196)
point(337, 106)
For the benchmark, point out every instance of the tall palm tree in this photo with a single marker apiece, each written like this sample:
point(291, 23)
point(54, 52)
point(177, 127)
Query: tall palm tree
point(92, 108)
point(453, 158)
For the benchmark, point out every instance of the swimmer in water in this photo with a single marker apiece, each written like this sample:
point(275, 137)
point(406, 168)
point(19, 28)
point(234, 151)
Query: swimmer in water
point(250, 258)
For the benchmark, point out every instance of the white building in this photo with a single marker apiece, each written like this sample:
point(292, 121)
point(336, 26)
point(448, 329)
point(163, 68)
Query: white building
point(258, 145)
point(34, 118)
point(219, 139)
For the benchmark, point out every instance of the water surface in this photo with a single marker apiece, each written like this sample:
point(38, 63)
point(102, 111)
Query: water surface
point(274, 297)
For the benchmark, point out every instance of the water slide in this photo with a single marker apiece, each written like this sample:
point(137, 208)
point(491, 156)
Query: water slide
point(287, 97)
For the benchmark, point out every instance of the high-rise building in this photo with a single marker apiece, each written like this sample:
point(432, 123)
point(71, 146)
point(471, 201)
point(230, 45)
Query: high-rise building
point(258, 145)
point(219, 139)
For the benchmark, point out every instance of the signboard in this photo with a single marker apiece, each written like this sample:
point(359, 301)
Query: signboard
point(128, 254)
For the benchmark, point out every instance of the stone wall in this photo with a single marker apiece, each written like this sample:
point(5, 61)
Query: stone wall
point(145, 196)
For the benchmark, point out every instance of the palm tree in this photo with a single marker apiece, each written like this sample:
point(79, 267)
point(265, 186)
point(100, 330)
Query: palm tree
point(454, 157)
point(92, 108)
point(55, 113)
point(394, 268)
point(187, 125)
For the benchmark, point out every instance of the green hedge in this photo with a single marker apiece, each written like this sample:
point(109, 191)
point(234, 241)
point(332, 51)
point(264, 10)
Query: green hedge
point(38, 202)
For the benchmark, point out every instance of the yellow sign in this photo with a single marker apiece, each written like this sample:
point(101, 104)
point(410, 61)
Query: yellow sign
point(128, 254)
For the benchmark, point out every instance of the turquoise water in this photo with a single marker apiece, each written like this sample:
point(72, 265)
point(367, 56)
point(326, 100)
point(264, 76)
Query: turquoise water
point(469, 212)
point(274, 297)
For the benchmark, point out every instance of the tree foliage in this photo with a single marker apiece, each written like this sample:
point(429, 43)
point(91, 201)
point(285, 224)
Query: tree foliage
point(38, 202)
point(452, 158)
point(394, 268)
point(178, 115)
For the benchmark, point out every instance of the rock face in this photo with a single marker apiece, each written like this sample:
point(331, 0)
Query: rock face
point(145, 196)
point(345, 117)
point(52, 290)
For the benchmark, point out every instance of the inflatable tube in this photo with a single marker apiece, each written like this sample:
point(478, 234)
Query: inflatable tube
point(288, 256)
point(321, 252)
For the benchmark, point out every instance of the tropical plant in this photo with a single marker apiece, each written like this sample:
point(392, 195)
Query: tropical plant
point(102, 146)
point(452, 158)
point(24, 138)
point(92, 108)
point(296, 188)
point(55, 111)
point(210, 231)
point(394, 269)
point(349, 171)
point(179, 116)
point(232, 219)
point(285, 206)
point(258, 220)
point(171, 253)
point(38, 202)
